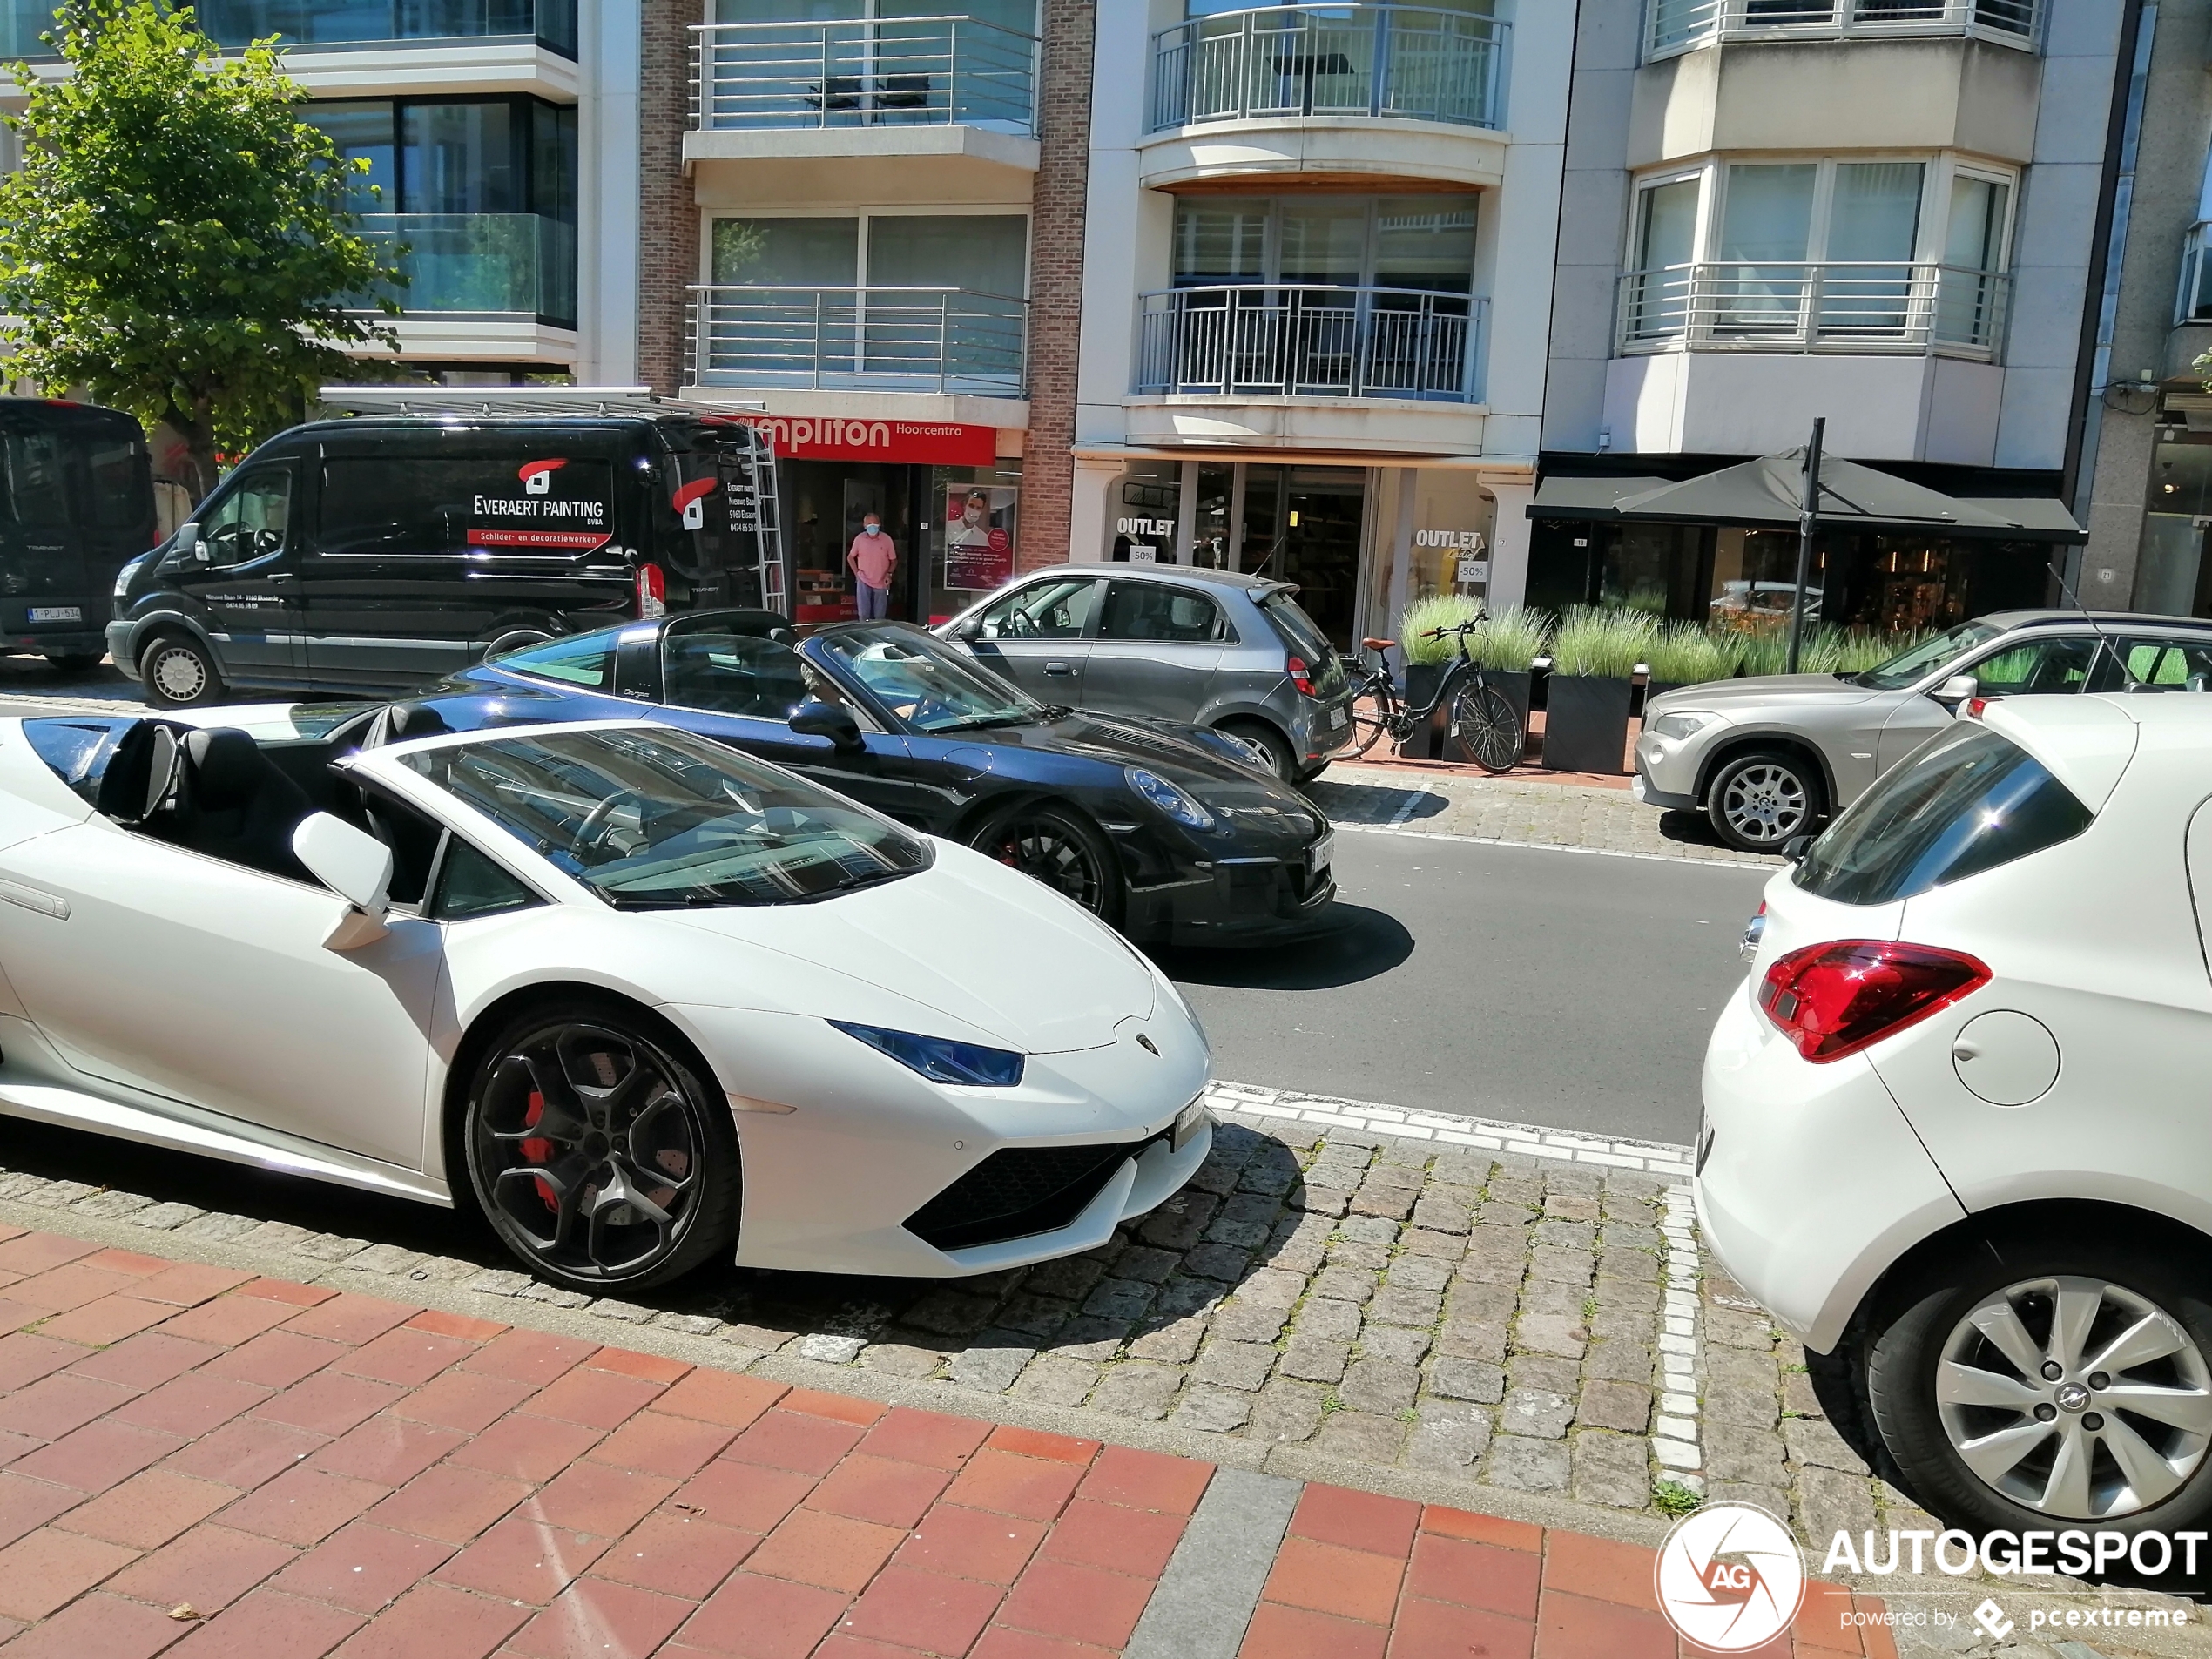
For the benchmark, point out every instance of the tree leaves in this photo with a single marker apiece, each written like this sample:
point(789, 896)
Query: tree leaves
point(176, 241)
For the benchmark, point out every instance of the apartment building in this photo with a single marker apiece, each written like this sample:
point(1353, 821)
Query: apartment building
point(501, 138)
point(2148, 423)
point(1317, 285)
point(1886, 212)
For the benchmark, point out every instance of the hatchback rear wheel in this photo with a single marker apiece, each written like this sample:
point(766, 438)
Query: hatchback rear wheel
point(2048, 1384)
point(1761, 800)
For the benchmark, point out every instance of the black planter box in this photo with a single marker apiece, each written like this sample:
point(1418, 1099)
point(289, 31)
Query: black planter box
point(1586, 723)
point(1421, 681)
point(1659, 688)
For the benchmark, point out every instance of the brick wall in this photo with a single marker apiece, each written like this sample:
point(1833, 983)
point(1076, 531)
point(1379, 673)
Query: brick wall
point(668, 218)
point(1056, 275)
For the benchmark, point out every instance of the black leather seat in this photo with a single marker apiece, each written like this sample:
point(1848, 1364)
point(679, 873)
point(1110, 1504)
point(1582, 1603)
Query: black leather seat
point(398, 722)
point(234, 804)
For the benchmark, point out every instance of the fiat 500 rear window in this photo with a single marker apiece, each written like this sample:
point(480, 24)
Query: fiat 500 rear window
point(1968, 801)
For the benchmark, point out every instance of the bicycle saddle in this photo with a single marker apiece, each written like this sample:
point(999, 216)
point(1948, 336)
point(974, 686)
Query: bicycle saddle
point(1377, 645)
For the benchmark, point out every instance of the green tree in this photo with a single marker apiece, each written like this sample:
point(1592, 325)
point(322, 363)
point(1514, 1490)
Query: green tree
point(176, 241)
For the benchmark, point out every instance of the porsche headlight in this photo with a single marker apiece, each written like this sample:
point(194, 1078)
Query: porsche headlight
point(1687, 723)
point(1169, 800)
point(941, 1059)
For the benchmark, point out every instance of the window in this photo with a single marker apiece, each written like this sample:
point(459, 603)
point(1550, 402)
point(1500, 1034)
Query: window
point(1419, 242)
point(586, 660)
point(441, 505)
point(509, 155)
point(981, 253)
point(412, 839)
point(1149, 611)
point(1967, 801)
point(121, 486)
point(731, 673)
point(470, 884)
point(2181, 664)
point(251, 522)
point(39, 480)
point(1056, 610)
point(2042, 665)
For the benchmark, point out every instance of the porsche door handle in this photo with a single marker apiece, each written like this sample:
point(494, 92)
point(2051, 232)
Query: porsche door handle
point(1059, 668)
point(46, 904)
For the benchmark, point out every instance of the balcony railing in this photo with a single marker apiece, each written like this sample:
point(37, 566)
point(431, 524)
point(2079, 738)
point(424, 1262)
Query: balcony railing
point(1391, 60)
point(1309, 339)
point(865, 340)
point(1678, 25)
point(904, 71)
point(1836, 306)
point(482, 264)
point(306, 25)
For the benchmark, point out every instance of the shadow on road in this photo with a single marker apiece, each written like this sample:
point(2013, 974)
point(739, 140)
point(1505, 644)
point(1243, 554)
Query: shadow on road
point(1374, 803)
point(1350, 943)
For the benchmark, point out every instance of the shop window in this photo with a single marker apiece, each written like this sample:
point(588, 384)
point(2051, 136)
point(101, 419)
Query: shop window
point(1155, 612)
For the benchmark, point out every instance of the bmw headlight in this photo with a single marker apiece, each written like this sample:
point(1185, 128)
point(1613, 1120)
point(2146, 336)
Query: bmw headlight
point(127, 575)
point(1687, 723)
point(1169, 800)
point(941, 1059)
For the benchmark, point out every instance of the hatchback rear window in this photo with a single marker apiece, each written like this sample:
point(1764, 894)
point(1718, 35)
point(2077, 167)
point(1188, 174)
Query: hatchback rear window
point(1967, 802)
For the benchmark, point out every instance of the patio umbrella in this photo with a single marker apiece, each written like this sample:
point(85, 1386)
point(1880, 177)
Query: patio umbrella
point(1769, 494)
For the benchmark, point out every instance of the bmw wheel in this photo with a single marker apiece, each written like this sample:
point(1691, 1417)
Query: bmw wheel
point(601, 1157)
point(1761, 800)
point(2047, 1385)
point(1061, 850)
point(178, 672)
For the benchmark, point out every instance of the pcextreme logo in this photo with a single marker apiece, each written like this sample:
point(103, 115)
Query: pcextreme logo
point(1730, 1578)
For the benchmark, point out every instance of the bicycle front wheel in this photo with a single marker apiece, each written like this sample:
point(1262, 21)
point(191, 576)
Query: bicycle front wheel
point(1484, 729)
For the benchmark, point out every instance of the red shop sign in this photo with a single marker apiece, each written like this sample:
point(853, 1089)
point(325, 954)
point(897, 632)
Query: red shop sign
point(830, 438)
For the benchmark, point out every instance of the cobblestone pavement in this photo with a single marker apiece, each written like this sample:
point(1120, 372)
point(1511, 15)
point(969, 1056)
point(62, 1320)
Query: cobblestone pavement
point(1518, 812)
point(1522, 1332)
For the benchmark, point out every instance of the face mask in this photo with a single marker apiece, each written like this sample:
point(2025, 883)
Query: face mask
point(873, 530)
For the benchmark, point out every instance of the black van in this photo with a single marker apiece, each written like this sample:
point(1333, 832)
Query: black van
point(387, 550)
point(76, 502)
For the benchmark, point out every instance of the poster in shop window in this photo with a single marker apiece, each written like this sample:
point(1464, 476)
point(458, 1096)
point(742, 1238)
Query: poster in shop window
point(979, 536)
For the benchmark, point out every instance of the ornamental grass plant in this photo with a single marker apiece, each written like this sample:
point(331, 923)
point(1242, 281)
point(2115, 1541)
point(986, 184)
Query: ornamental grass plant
point(1594, 644)
point(1437, 611)
point(1682, 653)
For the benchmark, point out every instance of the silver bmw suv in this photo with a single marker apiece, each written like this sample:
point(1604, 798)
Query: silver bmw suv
point(1212, 648)
point(1767, 760)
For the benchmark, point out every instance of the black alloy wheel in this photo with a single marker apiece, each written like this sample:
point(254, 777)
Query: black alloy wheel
point(179, 673)
point(1061, 850)
point(600, 1157)
point(1485, 728)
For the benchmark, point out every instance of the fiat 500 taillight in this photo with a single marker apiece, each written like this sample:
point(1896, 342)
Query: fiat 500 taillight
point(1835, 998)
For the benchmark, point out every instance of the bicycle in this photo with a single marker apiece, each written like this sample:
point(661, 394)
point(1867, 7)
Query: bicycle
point(1482, 723)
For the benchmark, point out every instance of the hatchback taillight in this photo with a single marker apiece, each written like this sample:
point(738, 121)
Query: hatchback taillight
point(652, 591)
point(1833, 1000)
point(1301, 676)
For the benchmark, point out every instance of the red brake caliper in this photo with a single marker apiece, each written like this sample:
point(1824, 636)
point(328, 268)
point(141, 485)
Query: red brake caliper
point(539, 1151)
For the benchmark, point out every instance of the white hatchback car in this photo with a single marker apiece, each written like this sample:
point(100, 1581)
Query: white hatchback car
point(1955, 1133)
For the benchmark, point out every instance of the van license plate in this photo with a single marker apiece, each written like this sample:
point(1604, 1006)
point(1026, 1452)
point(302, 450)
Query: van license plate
point(57, 613)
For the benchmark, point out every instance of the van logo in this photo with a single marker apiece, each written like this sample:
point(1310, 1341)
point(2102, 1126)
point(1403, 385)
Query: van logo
point(690, 501)
point(538, 475)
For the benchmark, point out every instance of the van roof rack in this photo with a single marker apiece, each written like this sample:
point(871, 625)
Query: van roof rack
point(506, 399)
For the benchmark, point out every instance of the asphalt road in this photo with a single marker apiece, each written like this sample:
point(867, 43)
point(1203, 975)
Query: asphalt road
point(1564, 988)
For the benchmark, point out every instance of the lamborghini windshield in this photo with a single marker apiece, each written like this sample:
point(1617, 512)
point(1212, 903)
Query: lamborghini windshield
point(650, 819)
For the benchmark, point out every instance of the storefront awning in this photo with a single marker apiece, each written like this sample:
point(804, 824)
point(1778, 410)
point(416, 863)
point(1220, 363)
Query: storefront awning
point(1766, 494)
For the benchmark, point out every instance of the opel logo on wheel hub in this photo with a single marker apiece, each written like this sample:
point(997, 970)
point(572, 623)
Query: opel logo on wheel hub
point(2071, 1397)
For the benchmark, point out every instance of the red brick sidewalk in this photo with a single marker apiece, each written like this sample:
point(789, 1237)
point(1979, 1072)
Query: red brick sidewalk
point(199, 1463)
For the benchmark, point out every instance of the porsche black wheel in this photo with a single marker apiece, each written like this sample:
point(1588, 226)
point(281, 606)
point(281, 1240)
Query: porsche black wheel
point(599, 1154)
point(1061, 850)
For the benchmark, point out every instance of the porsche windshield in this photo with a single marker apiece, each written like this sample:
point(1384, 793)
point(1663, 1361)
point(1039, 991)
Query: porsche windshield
point(648, 820)
point(930, 685)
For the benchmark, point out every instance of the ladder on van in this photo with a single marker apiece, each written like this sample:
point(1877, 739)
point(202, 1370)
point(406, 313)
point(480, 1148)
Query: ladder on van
point(770, 542)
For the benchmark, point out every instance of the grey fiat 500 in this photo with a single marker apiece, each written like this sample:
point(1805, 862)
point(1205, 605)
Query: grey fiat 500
point(1766, 759)
point(1210, 648)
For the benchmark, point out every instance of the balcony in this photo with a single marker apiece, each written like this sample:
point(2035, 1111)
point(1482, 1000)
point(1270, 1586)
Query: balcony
point(1683, 25)
point(1910, 309)
point(483, 265)
point(902, 72)
point(310, 25)
point(1281, 62)
point(1310, 340)
point(942, 342)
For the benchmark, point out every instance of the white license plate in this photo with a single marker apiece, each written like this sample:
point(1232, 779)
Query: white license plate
point(1194, 1118)
point(1339, 720)
point(57, 613)
point(1317, 861)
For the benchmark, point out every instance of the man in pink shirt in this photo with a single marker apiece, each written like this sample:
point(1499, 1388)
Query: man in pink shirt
point(872, 558)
